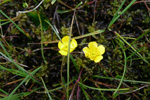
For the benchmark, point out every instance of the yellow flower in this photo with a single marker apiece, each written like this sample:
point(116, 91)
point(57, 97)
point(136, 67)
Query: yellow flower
point(94, 52)
point(63, 45)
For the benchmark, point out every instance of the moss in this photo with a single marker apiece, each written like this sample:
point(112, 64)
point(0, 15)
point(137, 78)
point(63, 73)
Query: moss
point(134, 21)
point(44, 71)
point(65, 31)
point(47, 4)
point(22, 19)
point(92, 27)
point(47, 35)
point(80, 62)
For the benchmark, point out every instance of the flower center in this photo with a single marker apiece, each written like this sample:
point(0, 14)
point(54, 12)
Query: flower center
point(93, 54)
point(65, 48)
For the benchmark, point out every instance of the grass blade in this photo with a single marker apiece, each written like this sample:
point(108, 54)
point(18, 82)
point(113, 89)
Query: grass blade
point(131, 81)
point(68, 56)
point(131, 47)
point(50, 98)
point(53, 29)
point(42, 51)
point(125, 67)
point(15, 24)
point(3, 91)
point(114, 19)
point(25, 79)
point(11, 60)
point(102, 89)
point(18, 96)
point(118, 10)
point(14, 71)
point(85, 93)
point(75, 64)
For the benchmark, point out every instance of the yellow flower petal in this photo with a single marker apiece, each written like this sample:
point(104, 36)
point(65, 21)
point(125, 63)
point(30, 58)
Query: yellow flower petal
point(92, 45)
point(63, 52)
point(86, 51)
point(71, 49)
point(94, 52)
point(65, 39)
point(73, 43)
point(101, 49)
point(98, 59)
point(91, 58)
point(60, 45)
point(63, 45)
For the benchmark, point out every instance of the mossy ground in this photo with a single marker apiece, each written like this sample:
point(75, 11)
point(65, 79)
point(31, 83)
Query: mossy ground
point(89, 17)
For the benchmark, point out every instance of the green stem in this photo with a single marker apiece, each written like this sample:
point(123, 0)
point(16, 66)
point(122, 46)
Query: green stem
point(114, 19)
point(42, 51)
point(61, 73)
point(68, 56)
point(125, 67)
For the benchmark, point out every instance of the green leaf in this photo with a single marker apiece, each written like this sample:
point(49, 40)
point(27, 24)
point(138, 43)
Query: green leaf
point(63, 11)
point(53, 1)
point(35, 19)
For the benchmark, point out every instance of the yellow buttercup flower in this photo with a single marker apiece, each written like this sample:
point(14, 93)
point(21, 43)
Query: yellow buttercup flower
point(63, 45)
point(94, 52)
